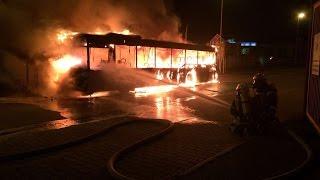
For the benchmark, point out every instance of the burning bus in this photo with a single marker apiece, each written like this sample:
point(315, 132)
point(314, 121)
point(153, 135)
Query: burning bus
point(171, 61)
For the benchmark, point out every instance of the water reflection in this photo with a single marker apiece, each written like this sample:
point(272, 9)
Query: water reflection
point(59, 124)
point(153, 90)
point(167, 107)
point(170, 103)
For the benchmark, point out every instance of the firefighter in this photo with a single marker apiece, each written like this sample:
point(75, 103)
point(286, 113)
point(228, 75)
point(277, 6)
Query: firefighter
point(264, 103)
point(254, 115)
point(241, 110)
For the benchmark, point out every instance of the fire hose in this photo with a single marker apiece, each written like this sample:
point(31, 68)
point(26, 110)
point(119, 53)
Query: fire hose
point(111, 163)
point(118, 175)
point(117, 156)
point(286, 174)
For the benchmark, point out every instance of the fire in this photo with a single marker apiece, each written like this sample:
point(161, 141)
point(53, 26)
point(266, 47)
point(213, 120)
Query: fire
point(101, 32)
point(64, 35)
point(149, 57)
point(126, 32)
point(64, 64)
point(159, 75)
point(167, 61)
point(191, 78)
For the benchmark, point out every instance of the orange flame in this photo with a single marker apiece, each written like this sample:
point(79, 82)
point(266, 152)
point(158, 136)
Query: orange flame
point(101, 32)
point(64, 35)
point(159, 75)
point(191, 79)
point(64, 64)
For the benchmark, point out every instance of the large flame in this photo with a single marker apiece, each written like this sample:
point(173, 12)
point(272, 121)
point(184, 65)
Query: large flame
point(165, 59)
point(62, 65)
point(98, 31)
point(64, 35)
point(125, 32)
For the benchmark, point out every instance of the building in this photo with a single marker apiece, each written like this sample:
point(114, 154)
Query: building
point(313, 82)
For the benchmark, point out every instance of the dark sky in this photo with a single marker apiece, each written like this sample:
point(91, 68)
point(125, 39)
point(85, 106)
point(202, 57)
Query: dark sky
point(256, 20)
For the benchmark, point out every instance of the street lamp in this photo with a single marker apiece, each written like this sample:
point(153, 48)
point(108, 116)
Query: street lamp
point(301, 16)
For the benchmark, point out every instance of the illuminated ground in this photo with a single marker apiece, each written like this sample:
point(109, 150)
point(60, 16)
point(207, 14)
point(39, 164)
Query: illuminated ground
point(201, 130)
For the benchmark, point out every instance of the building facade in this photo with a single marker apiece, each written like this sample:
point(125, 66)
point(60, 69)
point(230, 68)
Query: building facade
point(313, 85)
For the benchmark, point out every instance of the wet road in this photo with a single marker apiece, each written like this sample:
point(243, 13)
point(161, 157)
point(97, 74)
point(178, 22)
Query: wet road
point(204, 102)
point(175, 105)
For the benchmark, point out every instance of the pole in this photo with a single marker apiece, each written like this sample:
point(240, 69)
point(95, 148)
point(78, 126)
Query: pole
point(88, 56)
point(297, 42)
point(27, 74)
point(221, 19)
point(185, 56)
point(155, 57)
point(136, 56)
point(186, 33)
point(197, 57)
point(221, 34)
point(171, 57)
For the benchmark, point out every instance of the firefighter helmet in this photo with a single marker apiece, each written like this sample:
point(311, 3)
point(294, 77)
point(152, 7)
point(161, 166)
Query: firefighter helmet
point(259, 81)
point(242, 88)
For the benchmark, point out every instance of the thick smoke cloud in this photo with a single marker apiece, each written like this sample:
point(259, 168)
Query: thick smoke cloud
point(28, 27)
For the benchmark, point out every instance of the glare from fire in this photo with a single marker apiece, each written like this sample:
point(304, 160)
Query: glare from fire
point(151, 90)
point(125, 32)
point(101, 32)
point(64, 35)
point(62, 65)
point(98, 94)
point(150, 57)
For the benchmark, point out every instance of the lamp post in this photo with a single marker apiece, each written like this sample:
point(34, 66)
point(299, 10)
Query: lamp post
point(222, 60)
point(221, 18)
point(300, 17)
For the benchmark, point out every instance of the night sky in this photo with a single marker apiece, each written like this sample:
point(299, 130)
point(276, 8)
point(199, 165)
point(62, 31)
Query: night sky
point(263, 21)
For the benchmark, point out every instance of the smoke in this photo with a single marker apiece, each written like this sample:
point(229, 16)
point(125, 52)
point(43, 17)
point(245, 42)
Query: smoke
point(112, 77)
point(28, 28)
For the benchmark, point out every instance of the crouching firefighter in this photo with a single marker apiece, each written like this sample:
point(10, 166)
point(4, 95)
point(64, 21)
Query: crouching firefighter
point(241, 110)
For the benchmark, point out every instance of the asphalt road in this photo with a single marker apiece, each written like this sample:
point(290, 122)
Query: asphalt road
point(205, 102)
point(205, 106)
